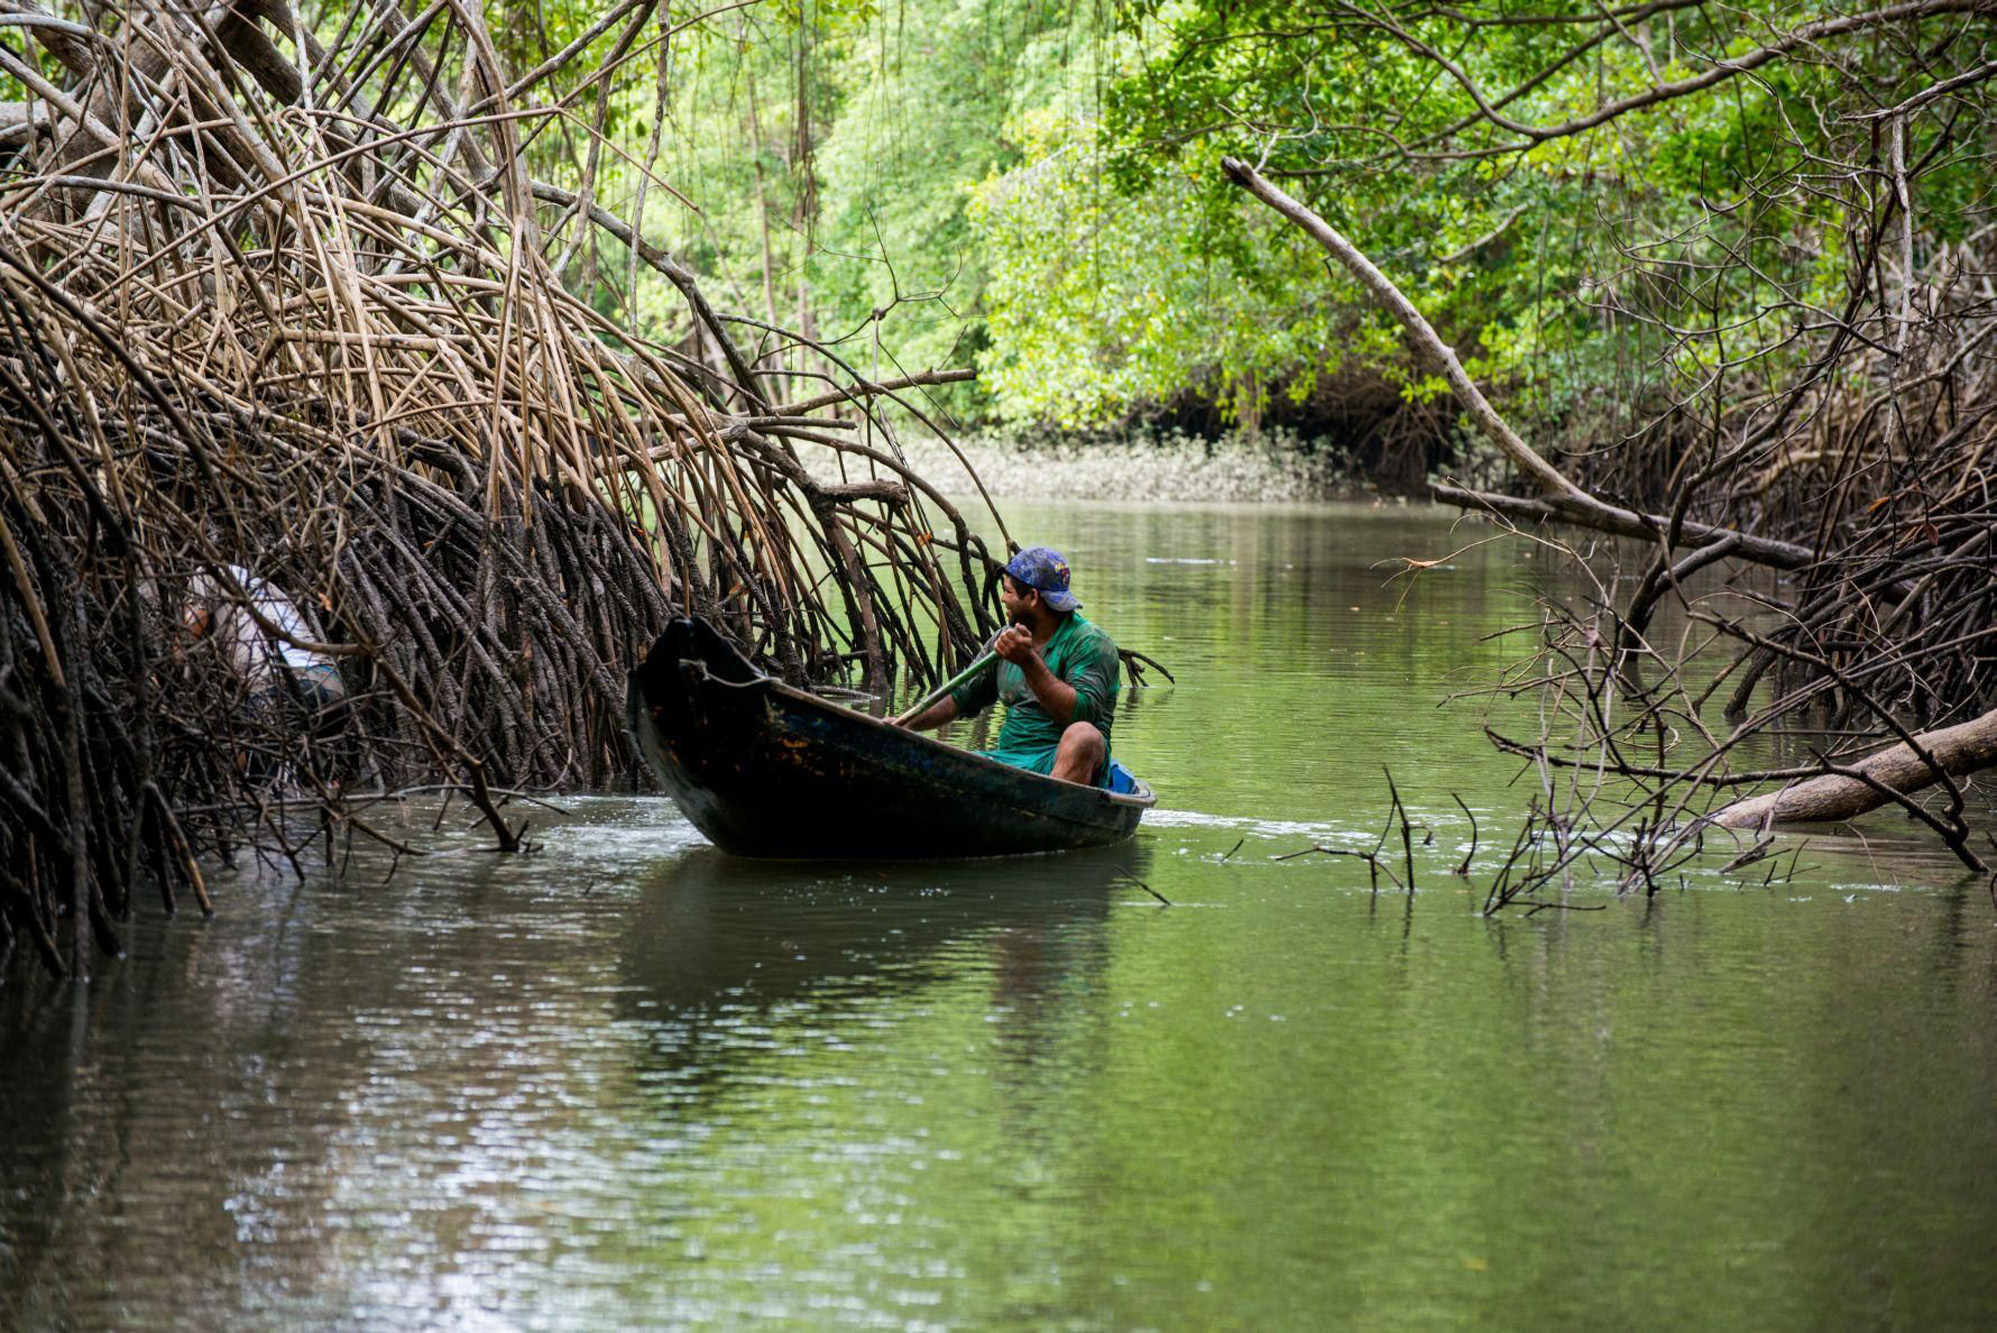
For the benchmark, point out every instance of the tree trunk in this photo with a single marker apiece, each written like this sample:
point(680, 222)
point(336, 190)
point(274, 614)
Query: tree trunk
point(1960, 750)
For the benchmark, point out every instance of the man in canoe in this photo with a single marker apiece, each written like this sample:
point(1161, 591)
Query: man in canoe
point(1057, 675)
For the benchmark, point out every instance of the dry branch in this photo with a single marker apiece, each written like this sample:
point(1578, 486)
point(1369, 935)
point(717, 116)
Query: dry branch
point(1543, 474)
point(1565, 502)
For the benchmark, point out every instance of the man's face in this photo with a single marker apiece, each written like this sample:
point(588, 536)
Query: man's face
point(1016, 598)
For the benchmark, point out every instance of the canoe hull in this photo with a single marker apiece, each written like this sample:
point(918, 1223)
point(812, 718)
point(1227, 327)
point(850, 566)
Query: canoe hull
point(765, 770)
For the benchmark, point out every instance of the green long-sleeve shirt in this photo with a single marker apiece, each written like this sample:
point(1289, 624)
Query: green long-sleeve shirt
point(1081, 654)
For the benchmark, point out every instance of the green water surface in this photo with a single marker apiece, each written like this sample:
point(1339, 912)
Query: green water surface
point(628, 1082)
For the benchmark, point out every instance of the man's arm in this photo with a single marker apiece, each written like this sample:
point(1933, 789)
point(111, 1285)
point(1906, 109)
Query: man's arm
point(943, 710)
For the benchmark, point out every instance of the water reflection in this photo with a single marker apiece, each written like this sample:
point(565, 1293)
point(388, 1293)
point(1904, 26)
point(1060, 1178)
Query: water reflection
point(628, 1082)
point(718, 940)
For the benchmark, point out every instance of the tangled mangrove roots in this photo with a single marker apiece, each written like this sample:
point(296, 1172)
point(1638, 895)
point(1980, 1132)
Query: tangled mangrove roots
point(1860, 674)
point(1811, 537)
point(296, 300)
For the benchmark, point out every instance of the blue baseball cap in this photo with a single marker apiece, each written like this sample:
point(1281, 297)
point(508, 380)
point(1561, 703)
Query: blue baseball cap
point(1042, 568)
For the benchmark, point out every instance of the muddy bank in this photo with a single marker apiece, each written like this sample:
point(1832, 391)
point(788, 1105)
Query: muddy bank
point(1272, 468)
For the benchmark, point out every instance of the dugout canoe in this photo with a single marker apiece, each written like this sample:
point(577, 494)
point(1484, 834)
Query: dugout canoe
point(767, 770)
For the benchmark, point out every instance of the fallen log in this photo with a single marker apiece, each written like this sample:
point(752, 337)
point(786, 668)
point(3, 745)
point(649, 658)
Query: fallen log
point(1958, 751)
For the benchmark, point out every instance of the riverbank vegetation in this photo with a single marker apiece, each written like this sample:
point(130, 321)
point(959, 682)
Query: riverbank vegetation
point(307, 301)
point(1791, 265)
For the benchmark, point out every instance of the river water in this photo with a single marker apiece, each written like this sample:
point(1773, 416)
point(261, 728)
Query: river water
point(627, 1082)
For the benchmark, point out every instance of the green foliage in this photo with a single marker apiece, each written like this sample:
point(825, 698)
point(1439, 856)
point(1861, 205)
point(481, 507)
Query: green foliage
point(826, 154)
point(1100, 301)
point(1033, 187)
point(920, 124)
point(1625, 261)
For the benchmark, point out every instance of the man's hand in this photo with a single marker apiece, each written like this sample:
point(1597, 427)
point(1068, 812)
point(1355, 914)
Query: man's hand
point(1015, 645)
